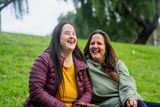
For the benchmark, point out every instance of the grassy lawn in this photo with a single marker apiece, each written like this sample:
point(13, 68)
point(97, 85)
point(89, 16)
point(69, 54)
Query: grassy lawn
point(18, 52)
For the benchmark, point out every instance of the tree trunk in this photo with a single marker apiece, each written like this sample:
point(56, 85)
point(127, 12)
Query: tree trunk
point(144, 35)
point(148, 27)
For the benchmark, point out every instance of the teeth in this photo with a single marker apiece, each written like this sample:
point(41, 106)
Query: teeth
point(95, 51)
point(70, 41)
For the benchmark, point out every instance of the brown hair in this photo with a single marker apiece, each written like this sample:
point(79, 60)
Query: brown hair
point(109, 64)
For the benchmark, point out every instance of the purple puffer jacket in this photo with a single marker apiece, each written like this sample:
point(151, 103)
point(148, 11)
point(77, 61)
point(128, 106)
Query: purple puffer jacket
point(42, 83)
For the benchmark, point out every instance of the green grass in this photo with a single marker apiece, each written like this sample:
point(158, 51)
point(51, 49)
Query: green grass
point(18, 52)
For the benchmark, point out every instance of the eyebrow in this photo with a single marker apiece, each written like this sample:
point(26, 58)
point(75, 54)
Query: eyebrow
point(69, 31)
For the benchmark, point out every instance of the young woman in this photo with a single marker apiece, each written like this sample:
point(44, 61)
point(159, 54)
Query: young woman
point(59, 76)
point(113, 86)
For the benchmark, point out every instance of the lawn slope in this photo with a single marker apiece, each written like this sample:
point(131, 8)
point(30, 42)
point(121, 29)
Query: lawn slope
point(18, 52)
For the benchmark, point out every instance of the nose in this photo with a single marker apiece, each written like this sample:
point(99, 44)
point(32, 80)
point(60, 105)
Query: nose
point(72, 34)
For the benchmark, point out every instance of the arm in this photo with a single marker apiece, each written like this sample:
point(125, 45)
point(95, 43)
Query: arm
point(87, 93)
point(127, 85)
point(37, 82)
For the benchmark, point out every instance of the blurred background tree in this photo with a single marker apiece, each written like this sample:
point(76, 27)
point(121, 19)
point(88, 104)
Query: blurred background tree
point(20, 7)
point(154, 39)
point(129, 21)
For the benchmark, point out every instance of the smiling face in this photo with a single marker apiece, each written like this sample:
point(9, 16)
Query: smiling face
point(68, 38)
point(97, 48)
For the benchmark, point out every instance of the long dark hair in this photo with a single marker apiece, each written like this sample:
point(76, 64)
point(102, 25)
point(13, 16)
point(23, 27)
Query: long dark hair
point(54, 49)
point(109, 64)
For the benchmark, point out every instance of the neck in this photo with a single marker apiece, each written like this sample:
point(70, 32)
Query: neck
point(68, 59)
point(98, 61)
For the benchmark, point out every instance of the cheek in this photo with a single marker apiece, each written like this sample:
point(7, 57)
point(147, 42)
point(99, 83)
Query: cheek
point(61, 41)
point(90, 48)
point(103, 50)
point(76, 39)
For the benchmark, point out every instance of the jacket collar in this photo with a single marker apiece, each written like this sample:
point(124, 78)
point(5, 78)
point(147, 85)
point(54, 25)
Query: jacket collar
point(95, 64)
point(79, 65)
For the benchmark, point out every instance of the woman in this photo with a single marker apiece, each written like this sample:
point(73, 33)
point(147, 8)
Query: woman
point(59, 76)
point(112, 84)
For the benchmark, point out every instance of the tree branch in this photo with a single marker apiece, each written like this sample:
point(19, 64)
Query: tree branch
point(6, 3)
point(132, 14)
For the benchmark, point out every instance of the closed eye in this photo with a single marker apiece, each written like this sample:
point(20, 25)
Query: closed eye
point(74, 34)
point(99, 43)
point(92, 43)
point(68, 33)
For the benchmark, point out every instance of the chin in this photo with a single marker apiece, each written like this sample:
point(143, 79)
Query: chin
point(93, 58)
point(71, 49)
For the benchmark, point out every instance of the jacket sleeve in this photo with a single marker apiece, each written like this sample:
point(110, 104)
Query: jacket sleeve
point(87, 93)
point(127, 85)
point(37, 80)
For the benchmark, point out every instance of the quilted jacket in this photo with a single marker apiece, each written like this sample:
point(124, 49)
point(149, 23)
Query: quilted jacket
point(42, 83)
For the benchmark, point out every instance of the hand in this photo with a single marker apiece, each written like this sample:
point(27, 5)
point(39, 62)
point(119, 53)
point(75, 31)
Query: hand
point(131, 102)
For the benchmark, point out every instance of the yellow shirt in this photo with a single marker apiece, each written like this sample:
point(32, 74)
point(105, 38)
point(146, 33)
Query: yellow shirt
point(70, 87)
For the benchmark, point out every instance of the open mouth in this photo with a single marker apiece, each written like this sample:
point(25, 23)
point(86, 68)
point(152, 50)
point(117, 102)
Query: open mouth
point(71, 41)
point(95, 51)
